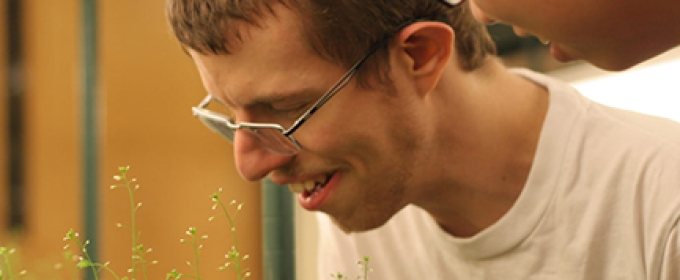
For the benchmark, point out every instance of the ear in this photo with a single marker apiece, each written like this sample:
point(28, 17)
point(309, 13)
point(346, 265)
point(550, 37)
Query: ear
point(426, 48)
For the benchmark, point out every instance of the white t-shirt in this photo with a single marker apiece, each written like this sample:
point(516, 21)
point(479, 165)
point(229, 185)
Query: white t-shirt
point(602, 201)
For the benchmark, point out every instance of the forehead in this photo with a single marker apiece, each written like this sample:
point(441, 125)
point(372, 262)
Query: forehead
point(270, 58)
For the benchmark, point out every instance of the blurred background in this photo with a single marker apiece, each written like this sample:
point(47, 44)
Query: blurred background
point(87, 86)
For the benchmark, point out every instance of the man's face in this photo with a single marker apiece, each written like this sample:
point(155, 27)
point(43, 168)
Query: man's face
point(360, 147)
point(610, 34)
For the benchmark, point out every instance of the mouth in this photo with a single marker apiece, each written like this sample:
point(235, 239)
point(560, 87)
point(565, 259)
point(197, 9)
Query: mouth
point(309, 188)
point(312, 193)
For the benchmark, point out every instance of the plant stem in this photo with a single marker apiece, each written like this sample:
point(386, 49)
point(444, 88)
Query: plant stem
point(133, 222)
point(86, 255)
point(137, 249)
point(8, 263)
point(234, 254)
point(108, 269)
point(196, 257)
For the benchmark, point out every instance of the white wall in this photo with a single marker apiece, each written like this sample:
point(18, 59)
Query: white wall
point(651, 88)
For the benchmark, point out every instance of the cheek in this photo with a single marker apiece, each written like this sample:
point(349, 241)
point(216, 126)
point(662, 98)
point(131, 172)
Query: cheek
point(362, 125)
point(341, 121)
point(346, 133)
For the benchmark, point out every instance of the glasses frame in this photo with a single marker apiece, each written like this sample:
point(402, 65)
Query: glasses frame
point(210, 118)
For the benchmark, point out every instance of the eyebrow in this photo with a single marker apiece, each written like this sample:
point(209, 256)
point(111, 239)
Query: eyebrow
point(280, 97)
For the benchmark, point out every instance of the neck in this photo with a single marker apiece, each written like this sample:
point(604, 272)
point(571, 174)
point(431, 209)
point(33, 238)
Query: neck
point(489, 132)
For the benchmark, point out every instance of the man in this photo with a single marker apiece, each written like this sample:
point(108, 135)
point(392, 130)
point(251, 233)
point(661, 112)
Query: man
point(395, 119)
point(611, 34)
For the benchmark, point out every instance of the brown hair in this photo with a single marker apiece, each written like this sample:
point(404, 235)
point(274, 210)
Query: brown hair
point(338, 30)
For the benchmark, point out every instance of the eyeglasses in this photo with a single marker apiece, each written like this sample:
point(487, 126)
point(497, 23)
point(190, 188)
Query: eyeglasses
point(452, 3)
point(273, 136)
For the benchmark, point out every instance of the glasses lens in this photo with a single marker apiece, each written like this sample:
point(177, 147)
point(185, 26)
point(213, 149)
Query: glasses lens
point(271, 138)
point(274, 140)
point(219, 126)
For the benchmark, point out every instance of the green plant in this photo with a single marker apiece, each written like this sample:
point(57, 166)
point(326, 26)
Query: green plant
point(138, 270)
point(139, 253)
point(233, 256)
point(139, 261)
point(7, 269)
point(84, 261)
point(191, 232)
point(363, 265)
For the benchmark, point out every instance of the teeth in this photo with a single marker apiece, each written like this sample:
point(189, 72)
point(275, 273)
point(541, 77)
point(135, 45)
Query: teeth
point(300, 187)
point(309, 186)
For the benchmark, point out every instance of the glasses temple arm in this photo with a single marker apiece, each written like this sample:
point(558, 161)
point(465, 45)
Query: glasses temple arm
point(343, 81)
point(335, 89)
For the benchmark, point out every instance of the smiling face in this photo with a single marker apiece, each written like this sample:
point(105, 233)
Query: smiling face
point(611, 34)
point(361, 146)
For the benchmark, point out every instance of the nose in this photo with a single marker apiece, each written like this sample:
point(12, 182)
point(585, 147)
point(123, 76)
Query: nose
point(253, 161)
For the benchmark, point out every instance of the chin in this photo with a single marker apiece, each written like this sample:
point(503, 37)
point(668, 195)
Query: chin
point(617, 61)
point(619, 65)
point(363, 224)
point(356, 228)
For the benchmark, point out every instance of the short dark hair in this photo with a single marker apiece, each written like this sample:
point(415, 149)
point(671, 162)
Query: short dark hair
point(340, 31)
